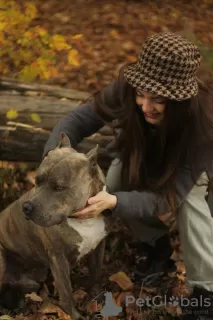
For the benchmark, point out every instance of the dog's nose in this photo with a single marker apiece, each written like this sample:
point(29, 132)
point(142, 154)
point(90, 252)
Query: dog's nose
point(27, 208)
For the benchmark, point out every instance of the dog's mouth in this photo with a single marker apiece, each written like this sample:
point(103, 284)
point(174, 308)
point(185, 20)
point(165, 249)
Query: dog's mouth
point(34, 211)
point(47, 220)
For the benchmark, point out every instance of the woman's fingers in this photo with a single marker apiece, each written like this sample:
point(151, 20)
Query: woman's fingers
point(92, 210)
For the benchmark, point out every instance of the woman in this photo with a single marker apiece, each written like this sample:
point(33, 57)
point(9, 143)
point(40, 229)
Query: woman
point(164, 151)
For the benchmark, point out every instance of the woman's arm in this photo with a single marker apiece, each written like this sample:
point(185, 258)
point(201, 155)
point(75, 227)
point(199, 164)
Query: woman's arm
point(149, 205)
point(83, 121)
point(145, 205)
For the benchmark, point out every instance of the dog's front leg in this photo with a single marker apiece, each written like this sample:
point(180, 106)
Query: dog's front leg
point(61, 274)
point(95, 263)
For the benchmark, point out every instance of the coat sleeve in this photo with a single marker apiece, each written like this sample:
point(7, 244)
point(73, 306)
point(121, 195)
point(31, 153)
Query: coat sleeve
point(83, 121)
point(148, 205)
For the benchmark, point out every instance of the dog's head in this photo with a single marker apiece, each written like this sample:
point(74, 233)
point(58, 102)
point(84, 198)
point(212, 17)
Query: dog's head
point(64, 181)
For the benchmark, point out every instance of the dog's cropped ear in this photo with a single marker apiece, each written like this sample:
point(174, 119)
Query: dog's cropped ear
point(92, 155)
point(64, 141)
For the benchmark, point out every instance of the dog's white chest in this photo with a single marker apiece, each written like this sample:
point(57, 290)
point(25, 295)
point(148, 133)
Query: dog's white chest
point(91, 230)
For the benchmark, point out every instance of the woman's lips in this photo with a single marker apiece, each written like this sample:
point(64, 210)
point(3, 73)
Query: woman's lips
point(151, 115)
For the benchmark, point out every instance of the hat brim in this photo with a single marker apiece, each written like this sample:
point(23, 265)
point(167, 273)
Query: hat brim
point(135, 77)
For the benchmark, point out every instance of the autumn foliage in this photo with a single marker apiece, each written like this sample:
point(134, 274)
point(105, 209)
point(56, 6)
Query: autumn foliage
point(28, 51)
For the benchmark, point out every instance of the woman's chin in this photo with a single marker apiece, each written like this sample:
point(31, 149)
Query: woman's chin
point(156, 121)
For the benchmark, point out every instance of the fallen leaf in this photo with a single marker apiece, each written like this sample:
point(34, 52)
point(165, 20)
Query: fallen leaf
point(180, 267)
point(48, 307)
point(122, 280)
point(115, 34)
point(93, 306)
point(35, 117)
point(59, 43)
point(11, 114)
point(5, 317)
point(79, 294)
point(77, 36)
point(73, 58)
point(34, 297)
point(181, 277)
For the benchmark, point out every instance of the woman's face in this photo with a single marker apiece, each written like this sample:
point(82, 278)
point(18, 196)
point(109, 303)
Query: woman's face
point(152, 106)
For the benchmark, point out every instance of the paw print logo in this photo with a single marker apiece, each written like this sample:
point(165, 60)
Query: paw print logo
point(173, 301)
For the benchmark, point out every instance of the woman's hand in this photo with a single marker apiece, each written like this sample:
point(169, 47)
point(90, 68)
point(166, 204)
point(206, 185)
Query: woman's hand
point(100, 202)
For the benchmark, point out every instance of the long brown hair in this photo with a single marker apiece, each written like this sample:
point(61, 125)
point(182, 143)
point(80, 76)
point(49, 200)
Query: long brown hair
point(151, 162)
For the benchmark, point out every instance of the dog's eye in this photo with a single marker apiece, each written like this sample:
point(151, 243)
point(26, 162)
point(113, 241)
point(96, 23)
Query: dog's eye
point(59, 188)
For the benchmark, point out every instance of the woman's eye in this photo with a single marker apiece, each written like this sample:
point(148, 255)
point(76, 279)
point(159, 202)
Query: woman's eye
point(139, 94)
point(160, 101)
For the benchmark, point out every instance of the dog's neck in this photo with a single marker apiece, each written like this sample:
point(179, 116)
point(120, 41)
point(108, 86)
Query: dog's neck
point(103, 189)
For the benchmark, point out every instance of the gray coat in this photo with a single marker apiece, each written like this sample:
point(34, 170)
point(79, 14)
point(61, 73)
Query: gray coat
point(83, 121)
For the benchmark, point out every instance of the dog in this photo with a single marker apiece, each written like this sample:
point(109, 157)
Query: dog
point(38, 232)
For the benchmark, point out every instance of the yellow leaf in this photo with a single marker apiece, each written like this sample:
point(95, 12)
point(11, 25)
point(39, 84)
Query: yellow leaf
point(41, 31)
point(2, 25)
point(30, 10)
point(35, 117)
point(122, 280)
point(73, 58)
point(77, 36)
point(11, 114)
point(58, 43)
point(30, 34)
point(28, 73)
point(42, 67)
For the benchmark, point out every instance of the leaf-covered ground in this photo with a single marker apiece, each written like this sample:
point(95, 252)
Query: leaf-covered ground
point(113, 32)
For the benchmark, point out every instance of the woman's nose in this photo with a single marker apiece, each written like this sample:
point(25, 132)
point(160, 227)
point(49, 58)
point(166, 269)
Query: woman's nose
point(146, 106)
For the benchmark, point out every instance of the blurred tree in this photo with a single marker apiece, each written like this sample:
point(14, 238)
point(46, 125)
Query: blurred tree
point(30, 52)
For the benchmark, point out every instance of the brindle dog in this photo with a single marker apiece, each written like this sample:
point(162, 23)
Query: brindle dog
point(45, 236)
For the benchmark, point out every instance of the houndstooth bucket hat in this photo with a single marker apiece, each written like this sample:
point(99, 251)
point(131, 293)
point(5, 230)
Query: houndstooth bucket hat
point(166, 66)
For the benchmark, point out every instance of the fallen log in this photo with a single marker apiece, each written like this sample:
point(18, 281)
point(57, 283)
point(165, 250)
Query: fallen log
point(49, 103)
point(49, 110)
point(24, 139)
point(13, 84)
point(21, 142)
